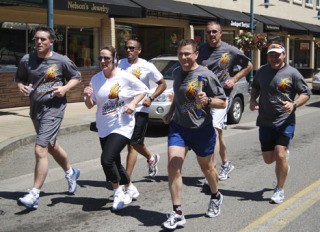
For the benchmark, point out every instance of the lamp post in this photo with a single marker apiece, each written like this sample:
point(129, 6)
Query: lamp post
point(266, 4)
point(251, 30)
point(50, 15)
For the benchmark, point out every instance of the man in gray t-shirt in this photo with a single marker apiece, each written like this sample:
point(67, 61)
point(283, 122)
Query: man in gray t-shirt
point(221, 58)
point(196, 91)
point(276, 84)
point(46, 76)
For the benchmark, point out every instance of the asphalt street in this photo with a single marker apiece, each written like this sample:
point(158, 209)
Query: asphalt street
point(247, 191)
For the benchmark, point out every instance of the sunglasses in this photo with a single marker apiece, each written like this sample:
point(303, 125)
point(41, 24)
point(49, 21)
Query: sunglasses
point(212, 32)
point(104, 58)
point(131, 48)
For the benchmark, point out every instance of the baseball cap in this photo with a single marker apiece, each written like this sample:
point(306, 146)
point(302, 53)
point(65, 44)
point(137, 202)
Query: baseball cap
point(276, 48)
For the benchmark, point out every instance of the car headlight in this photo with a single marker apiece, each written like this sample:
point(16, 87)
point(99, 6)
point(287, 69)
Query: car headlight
point(164, 97)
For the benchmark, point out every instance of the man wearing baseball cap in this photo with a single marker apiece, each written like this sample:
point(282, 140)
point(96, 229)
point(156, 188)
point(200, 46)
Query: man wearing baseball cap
point(276, 84)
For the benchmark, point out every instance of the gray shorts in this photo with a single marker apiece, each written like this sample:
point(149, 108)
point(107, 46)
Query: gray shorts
point(47, 130)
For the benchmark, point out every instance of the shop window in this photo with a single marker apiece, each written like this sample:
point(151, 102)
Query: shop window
point(12, 43)
point(16, 40)
point(317, 58)
point(300, 53)
point(228, 37)
point(199, 36)
point(80, 46)
point(155, 41)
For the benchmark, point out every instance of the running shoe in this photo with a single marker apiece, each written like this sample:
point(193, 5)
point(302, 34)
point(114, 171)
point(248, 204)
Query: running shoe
point(30, 200)
point(174, 220)
point(133, 192)
point(152, 166)
point(225, 170)
point(72, 180)
point(278, 195)
point(214, 207)
point(118, 199)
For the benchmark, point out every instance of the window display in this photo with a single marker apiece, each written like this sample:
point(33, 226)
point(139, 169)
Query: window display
point(16, 40)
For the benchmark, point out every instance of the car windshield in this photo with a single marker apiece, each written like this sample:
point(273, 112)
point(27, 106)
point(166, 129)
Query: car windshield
point(165, 67)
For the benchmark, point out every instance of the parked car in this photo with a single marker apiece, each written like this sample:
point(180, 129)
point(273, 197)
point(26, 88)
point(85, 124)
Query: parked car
point(161, 105)
point(316, 83)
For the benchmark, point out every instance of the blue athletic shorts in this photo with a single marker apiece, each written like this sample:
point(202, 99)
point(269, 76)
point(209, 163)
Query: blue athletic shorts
point(270, 137)
point(200, 140)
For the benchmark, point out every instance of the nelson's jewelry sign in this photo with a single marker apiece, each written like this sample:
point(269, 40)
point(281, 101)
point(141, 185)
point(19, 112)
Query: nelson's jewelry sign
point(112, 8)
point(92, 7)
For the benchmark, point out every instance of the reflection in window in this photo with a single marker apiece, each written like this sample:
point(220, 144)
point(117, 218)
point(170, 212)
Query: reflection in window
point(16, 40)
point(12, 43)
point(155, 40)
point(300, 53)
point(80, 46)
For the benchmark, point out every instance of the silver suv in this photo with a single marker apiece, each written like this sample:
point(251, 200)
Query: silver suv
point(161, 105)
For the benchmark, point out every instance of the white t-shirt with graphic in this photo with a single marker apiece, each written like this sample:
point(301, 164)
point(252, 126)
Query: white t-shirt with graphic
point(145, 72)
point(111, 96)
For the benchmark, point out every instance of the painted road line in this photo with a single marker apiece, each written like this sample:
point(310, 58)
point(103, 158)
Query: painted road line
point(282, 215)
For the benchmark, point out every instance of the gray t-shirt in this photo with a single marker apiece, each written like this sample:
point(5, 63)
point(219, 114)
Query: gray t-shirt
point(185, 88)
point(44, 74)
point(276, 86)
point(222, 61)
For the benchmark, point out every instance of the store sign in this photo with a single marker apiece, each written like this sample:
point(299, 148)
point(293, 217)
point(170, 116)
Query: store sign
point(91, 7)
point(271, 27)
point(239, 24)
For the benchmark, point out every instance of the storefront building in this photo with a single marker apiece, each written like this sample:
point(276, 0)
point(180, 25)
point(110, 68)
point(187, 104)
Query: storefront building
point(83, 27)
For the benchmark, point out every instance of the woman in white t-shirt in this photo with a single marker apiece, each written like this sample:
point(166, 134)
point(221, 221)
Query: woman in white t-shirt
point(116, 94)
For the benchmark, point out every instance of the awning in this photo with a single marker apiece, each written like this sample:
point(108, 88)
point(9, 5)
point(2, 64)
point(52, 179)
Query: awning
point(313, 29)
point(175, 9)
point(290, 26)
point(268, 24)
point(114, 8)
point(228, 17)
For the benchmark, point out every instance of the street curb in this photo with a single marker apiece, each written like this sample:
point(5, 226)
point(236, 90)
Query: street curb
point(11, 144)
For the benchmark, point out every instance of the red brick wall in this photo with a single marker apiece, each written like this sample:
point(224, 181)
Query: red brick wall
point(10, 96)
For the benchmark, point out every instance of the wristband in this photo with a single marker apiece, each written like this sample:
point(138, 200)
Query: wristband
point(151, 98)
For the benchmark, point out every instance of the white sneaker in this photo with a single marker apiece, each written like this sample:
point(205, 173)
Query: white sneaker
point(118, 199)
point(225, 170)
point(30, 200)
point(174, 220)
point(152, 167)
point(278, 195)
point(133, 192)
point(72, 180)
point(214, 207)
point(127, 198)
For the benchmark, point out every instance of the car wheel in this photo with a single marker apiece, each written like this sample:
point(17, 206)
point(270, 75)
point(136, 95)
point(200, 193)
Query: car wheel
point(235, 111)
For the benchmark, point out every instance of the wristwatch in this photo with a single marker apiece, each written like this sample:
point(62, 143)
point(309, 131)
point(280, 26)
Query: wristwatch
point(209, 101)
point(151, 98)
point(294, 105)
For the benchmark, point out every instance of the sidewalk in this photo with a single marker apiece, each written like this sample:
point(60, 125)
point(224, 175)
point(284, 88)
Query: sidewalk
point(16, 128)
